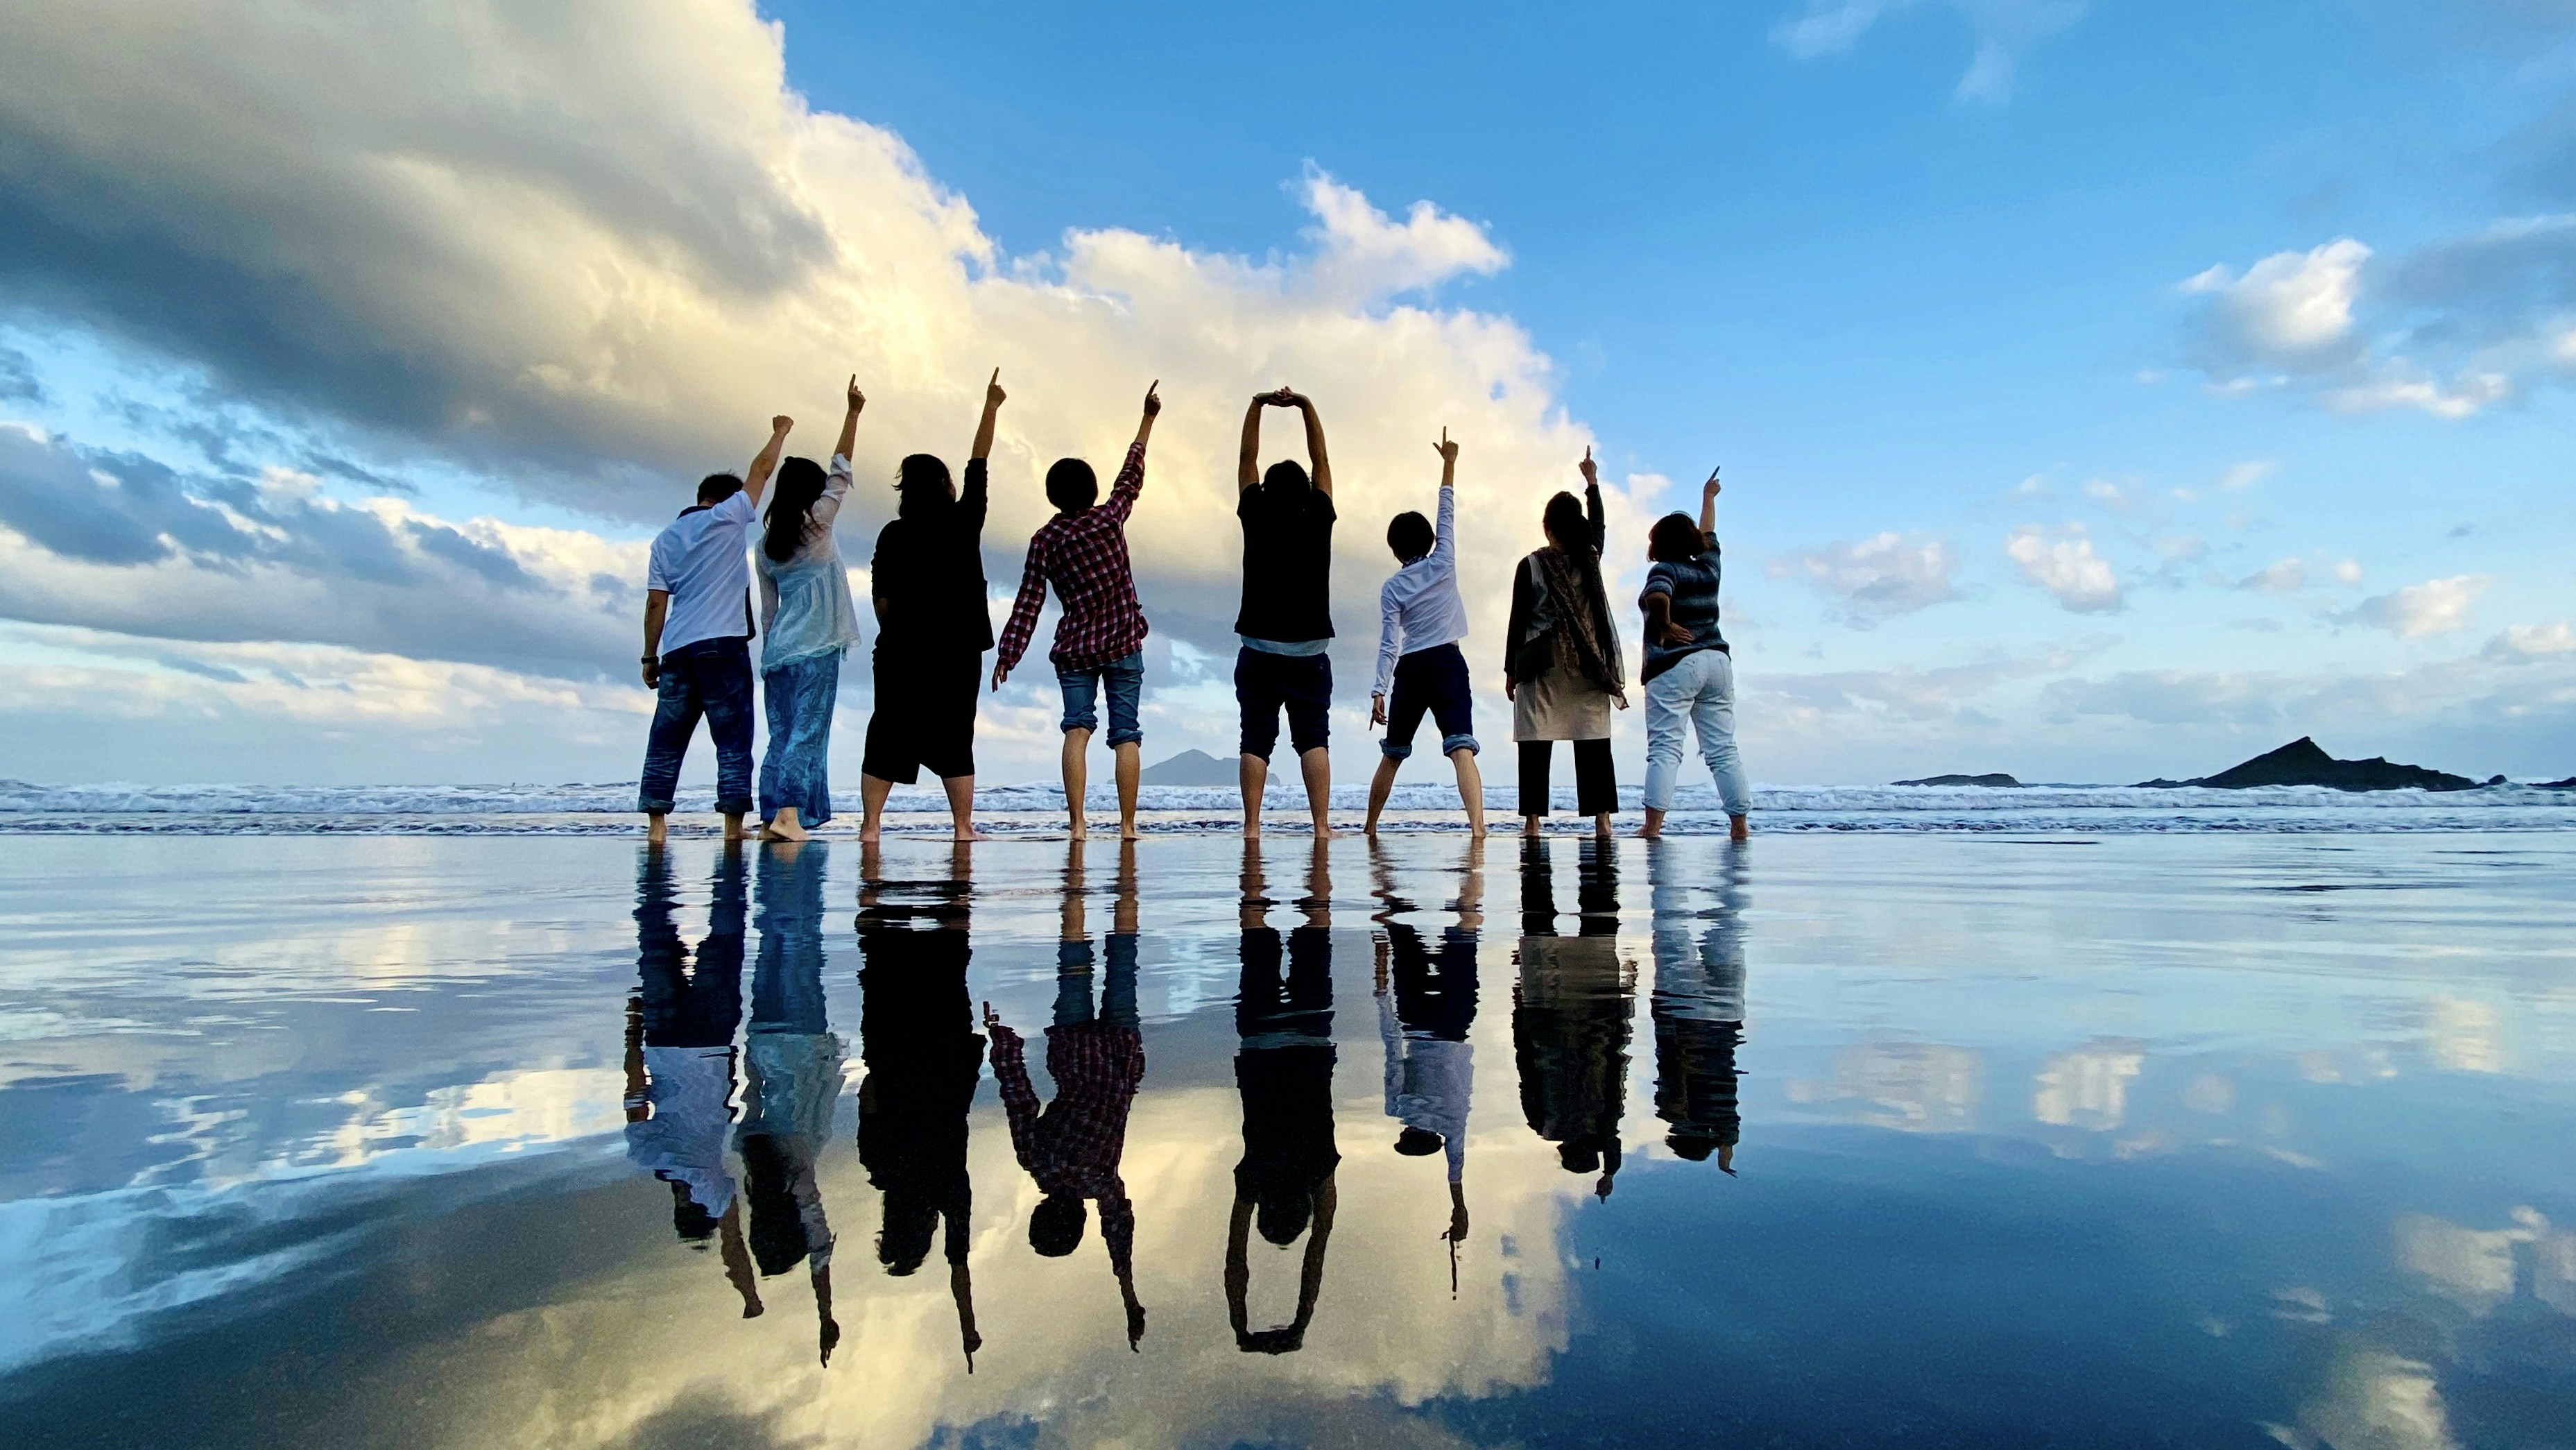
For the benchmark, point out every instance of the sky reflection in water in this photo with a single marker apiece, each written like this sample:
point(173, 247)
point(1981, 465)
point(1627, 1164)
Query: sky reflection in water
point(2237, 1140)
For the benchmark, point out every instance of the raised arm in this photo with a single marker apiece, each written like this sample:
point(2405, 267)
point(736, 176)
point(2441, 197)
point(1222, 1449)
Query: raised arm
point(993, 396)
point(1592, 503)
point(1318, 467)
point(1011, 1075)
point(1708, 510)
point(850, 419)
point(1153, 406)
point(1131, 474)
point(1247, 470)
point(1444, 536)
point(765, 462)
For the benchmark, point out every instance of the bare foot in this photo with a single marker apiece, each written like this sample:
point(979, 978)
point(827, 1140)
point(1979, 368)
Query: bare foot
point(657, 830)
point(784, 829)
point(1128, 832)
point(1325, 833)
point(869, 835)
point(1077, 832)
point(733, 826)
point(1650, 833)
point(1739, 830)
point(968, 834)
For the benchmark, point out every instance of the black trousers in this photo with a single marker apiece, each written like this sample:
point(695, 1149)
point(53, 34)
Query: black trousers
point(925, 713)
point(1596, 786)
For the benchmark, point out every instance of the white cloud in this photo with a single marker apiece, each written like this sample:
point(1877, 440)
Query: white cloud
point(2291, 310)
point(591, 247)
point(1879, 577)
point(2003, 29)
point(2289, 576)
point(2436, 606)
point(2400, 387)
point(2106, 494)
point(2248, 473)
point(2522, 643)
point(2063, 563)
point(2348, 572)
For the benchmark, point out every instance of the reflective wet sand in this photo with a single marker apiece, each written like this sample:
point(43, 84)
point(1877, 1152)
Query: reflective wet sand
point(2193, 1140)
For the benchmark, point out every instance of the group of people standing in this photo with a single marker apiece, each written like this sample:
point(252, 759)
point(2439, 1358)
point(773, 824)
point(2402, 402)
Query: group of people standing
point(1563, 667)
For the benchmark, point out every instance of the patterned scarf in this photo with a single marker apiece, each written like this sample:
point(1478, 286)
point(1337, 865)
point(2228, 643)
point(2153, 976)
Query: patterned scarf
point(1574, 589)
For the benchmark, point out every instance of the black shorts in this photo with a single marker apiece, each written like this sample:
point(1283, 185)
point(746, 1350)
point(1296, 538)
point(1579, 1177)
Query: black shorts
point(1435, 680)
point(1265, 684)
point(925, 714)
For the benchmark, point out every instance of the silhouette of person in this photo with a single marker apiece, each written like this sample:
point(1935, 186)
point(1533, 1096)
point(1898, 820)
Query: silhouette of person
point(1698, 1009)
point(1096, 1055)
point(680, 1059)
point(1570, 1012)
point(1284, 1072)
point(917, 1037)
point(1423, 1022)
point(792, 1082)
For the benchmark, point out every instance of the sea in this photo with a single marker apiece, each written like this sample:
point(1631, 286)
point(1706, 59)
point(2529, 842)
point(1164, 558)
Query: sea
point(2065, 1116)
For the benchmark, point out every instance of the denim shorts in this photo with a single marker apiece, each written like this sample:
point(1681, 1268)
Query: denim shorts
point(1433, 680)
point(1266, 684)
point(1126, 681)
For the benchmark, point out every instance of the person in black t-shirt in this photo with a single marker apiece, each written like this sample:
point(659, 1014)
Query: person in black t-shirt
point(932, 630)
point(1286, 625)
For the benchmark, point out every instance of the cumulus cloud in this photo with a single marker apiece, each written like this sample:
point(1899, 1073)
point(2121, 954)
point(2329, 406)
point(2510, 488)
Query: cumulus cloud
point(2523, 643)
point(587, 249)
point(2004, 29)
point(2062, 561)
point(118, 542)
point(1877, 578)
point(2291, 311)
point(2436, 606)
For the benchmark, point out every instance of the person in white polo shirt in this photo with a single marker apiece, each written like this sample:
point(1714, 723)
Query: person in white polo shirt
point(697, 639)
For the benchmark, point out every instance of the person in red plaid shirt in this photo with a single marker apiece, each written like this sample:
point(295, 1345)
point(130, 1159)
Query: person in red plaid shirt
point(1072, 1146)
point(1082, 551)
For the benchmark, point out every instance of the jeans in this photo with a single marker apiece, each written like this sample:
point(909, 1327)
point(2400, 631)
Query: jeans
point(1073, 983)
point(796, 769)
point(711, 678)
point(1126, 681)
point(1698, 690)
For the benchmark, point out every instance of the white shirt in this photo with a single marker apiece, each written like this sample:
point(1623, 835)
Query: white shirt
point(1419, 607)
point(1430, 1082)
point(691, 1090)
point(805, 604)
point(697, 559)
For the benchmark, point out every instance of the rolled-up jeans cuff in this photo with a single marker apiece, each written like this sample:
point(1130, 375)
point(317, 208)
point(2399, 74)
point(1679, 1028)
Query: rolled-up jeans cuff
point(1453, 743)
point(1126, 737)
point(1395, 751)
point(652, 807)
point(737, 806)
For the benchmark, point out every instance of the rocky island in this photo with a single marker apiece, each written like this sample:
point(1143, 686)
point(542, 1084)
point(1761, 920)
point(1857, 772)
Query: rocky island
point(1999, 781)
point(2304, 762)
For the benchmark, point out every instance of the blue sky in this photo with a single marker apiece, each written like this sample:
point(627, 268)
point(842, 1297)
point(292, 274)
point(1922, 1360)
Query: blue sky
point(2105, 390)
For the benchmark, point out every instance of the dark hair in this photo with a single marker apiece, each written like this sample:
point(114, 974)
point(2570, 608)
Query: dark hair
point(1694, 1144)
point(1071, 485)
point(1282, 1216)
point(1409, 535)
point(923, 482)
point(717, 487)
point(777, 1229)
point(1285, 479)
point(689, 1220)
point(1055, 1226)
point(1417, 1142)
point(791, 501)
point(1675, 539)
point(1568, 527)
point(1579, 1156)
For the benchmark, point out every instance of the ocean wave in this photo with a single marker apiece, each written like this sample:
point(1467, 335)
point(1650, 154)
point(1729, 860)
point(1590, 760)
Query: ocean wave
point(608, 808)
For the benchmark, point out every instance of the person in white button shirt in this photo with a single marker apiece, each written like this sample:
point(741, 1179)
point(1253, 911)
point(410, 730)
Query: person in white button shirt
point(697, 640)
point(1420, 622)
point(808, 622)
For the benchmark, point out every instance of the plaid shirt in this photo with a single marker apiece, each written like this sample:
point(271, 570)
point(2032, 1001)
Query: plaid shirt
point(1084, 556)
point(1074, 1144)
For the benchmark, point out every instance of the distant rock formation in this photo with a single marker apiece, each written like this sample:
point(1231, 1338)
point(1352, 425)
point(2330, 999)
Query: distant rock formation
point(2568, 784)
point(1997, 781)
point(2302, 762)
point(1193, 767)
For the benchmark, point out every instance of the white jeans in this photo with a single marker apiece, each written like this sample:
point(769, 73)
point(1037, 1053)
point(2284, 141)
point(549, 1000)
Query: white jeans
point(1699, 690)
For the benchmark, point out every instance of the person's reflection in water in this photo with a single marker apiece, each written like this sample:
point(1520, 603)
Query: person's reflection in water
point(917, 1037)
point(1570, 1012)
point(1097, 1058)
point(793, 1082)
point(1698, 1007)
point(1284, 1071)
point(1430, 1066)
point(680, 1025)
